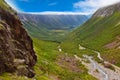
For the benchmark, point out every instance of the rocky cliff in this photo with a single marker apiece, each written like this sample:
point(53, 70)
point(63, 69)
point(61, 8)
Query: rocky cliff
point(16, 49)
point(109, 10)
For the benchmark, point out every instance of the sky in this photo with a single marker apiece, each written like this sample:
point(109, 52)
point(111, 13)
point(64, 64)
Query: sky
point(59, 6)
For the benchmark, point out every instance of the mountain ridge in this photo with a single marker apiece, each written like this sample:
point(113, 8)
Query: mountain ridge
point(108, 10)
point(51, 27)
point(58, 19)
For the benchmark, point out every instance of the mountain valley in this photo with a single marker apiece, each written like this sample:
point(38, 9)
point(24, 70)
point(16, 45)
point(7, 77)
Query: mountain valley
point(50, 26)
point(60, 47)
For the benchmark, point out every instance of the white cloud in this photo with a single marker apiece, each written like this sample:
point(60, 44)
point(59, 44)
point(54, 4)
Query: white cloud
point(52, 4)
point(58, 13)
point(90, 6)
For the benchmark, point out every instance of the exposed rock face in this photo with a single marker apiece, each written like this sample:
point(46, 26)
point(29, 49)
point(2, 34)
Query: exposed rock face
point(106, 11)
point(16, 49)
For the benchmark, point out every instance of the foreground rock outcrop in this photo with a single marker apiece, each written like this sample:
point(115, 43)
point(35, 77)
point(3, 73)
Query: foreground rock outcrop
point(16, 49)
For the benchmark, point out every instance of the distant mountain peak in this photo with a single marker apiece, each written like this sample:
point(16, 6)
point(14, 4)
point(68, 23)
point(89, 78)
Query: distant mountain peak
point(108, 10)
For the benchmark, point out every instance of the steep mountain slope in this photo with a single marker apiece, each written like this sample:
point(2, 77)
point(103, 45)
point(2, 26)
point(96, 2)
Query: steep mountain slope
point(101, 33)
point(50, 27)
point(54, 21)
point(16, 49)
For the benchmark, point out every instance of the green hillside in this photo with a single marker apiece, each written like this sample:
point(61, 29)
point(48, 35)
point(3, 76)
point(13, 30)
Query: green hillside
point(97, 32)
point(38, 31)
point(100, 33)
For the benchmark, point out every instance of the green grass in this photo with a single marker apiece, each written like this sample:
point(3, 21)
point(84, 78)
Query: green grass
point(43, 33)
point(97, 32)
point(8, 76)
point(112, 56)
point(73, 48)
point(47, 53)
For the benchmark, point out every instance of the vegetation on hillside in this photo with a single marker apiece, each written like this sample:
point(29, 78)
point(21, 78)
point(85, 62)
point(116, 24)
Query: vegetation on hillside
point(45, 34)
point(95, 34)
point(112, 56)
